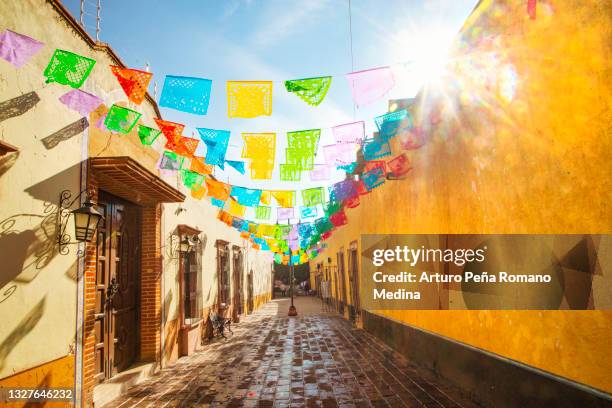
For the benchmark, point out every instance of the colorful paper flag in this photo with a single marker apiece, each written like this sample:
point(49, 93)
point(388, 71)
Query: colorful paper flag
point(308, 212)
point(170, 161)
point(343, 190)
point(284, 198)
point(373, 178)
point(121, 119)
point(370, 85)
point(349, 132)
point(199, 166)
point(68, 68)
point(531, 8)
point(261, 149)
point(313, 196)
point(391, 124)
point(186, 146)
point(249, 99)
point(338, 218)
point(266, 197)
point(340, 154)
point(147, 135)
point(375, 149)
point(290, 172)
point(246, 196)
point(310, 90)
point(172, 131)
point(133, 81)
point(191, 179)
point(263, 212)
point(320, 172)
point(399, 166)
point(236, 209)
point(217, 203)
point(217, 189)
point(18, 48)
point(198, 192)
point(237, 165)
point(216, 144)
point(186, 94)
point(284, 213)
point(81, 101)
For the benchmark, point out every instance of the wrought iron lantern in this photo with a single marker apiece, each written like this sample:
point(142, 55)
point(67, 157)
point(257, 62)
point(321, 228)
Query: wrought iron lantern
point(86, 221)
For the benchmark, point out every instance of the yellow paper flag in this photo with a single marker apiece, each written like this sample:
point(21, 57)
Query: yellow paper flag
point(284, 199)
point(249, 99)
point(236, 209)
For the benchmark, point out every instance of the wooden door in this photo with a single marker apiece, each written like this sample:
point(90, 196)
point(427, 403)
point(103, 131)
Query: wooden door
point(353, 269)
point(117, 287)
point(237, 278)
point(250, 290)
point(223, 270)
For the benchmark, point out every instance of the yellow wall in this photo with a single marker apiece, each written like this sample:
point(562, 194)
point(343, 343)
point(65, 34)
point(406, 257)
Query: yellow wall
point(530, 159)
point(44, 281)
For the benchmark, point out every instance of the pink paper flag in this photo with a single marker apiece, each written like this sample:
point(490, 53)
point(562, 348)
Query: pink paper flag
point(18, 48)
point(284, 213)
point(370, 85)
point(531, 9)
point(349, 132)
point(80, 101)
point(320, 172)
point(340, 154)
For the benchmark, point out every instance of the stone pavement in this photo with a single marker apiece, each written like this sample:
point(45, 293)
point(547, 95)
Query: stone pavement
point(315, 360)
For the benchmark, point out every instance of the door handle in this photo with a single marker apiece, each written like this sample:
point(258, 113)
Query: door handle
point(111, 290)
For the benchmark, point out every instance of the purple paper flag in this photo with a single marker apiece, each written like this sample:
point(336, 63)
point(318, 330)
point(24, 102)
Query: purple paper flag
point(321, 172)
point(284, 213)
point(80, 101)
point(18, 48)
point(370, 85)
point(349, 132)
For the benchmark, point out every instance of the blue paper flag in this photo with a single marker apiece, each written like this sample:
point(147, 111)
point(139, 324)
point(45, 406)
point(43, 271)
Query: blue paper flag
point(390, 124)
point(308, 212)
point(373, 178)
point(217, 203)
point(186, 94)
point(246, 196)
point(238, 165)
point(375, 149)
point(216, 142)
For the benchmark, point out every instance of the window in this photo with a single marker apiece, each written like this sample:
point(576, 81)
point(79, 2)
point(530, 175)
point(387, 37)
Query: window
point(191, 276)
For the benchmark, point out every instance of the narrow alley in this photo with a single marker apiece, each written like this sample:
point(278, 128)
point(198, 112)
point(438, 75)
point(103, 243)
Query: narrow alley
point(316, 359)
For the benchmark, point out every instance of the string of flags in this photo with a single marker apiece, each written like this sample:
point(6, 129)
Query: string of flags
point(325, 208)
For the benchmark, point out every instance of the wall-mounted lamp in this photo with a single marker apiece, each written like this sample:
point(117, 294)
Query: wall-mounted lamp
point(86, 220)
point(188, 244)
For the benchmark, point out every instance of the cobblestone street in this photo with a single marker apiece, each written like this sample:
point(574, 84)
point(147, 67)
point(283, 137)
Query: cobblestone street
point(316, 359)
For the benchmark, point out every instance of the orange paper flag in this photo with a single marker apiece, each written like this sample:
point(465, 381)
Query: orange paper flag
point(133, 81)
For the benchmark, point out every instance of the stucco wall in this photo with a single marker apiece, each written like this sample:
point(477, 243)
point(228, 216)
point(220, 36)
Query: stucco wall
point(520, 143)
point(44, 300)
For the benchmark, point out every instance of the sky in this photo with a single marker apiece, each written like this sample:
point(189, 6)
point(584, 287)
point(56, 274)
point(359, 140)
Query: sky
point(278, 40)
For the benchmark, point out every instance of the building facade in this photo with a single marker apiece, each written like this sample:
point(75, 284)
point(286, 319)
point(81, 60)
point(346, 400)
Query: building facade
point(131, 301)
point(506, 152)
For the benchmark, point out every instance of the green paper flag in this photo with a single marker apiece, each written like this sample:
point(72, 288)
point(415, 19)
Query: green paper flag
point(121, 119)
point(191, 179)
point(290, 172)
point(262, 212)
point(310, 90)
point(67, 68)
point(147, 135)
point(312, 196)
